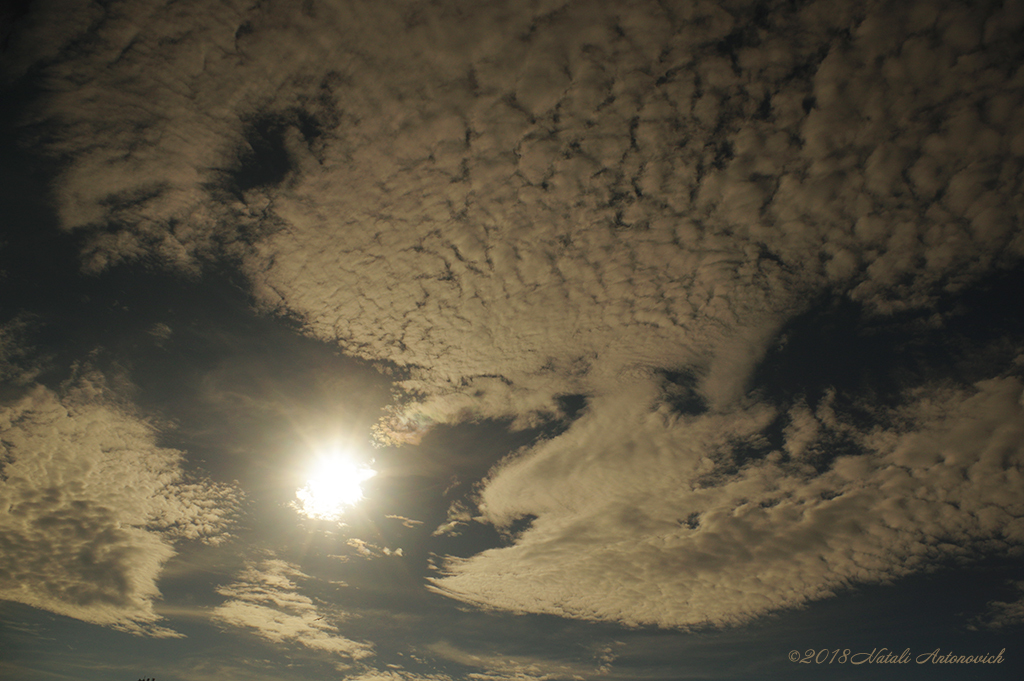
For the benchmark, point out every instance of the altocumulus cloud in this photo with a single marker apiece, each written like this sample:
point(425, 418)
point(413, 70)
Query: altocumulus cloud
point(517, 201)
point(648, 519)
point(90, 506)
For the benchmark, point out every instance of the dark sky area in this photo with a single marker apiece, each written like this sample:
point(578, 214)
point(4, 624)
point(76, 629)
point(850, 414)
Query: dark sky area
point(511, 341)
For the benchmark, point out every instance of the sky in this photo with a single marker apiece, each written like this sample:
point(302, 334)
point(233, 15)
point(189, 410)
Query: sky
point(522, 340)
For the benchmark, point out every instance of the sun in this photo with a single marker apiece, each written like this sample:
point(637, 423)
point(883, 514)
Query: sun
point(334, 485)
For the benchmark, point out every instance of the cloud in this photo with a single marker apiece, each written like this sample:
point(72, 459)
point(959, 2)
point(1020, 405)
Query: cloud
point(652, 518)
point(516, 218)
point(367, 550)
point(406, 522)
point(458, 516)
point(91, 507)
point(17, 365)
point(265, 599)
point(519, 202)
point(501, 667)
point(488, 667)
point(397, 675)
point(1004, 613)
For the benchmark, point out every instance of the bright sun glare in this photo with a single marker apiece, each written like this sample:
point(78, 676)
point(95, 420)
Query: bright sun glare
point(335, 483)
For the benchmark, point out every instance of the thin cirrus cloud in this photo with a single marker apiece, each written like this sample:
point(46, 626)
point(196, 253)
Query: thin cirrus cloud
point(492, 667)
point(265, 599)
point(520, 202)
point(94, 507)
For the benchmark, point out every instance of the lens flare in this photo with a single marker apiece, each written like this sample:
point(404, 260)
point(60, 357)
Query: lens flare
point(334, 485)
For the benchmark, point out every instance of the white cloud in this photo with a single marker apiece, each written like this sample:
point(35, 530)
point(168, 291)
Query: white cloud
point(458, 516)
point(639, 519)
point(367, 550)
point(406, 522)
point(91, 507)
point(266, 600)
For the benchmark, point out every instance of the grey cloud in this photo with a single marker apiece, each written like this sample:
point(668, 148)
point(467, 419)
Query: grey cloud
point(92, 506)
point(16, 363)
point(1003, 613)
